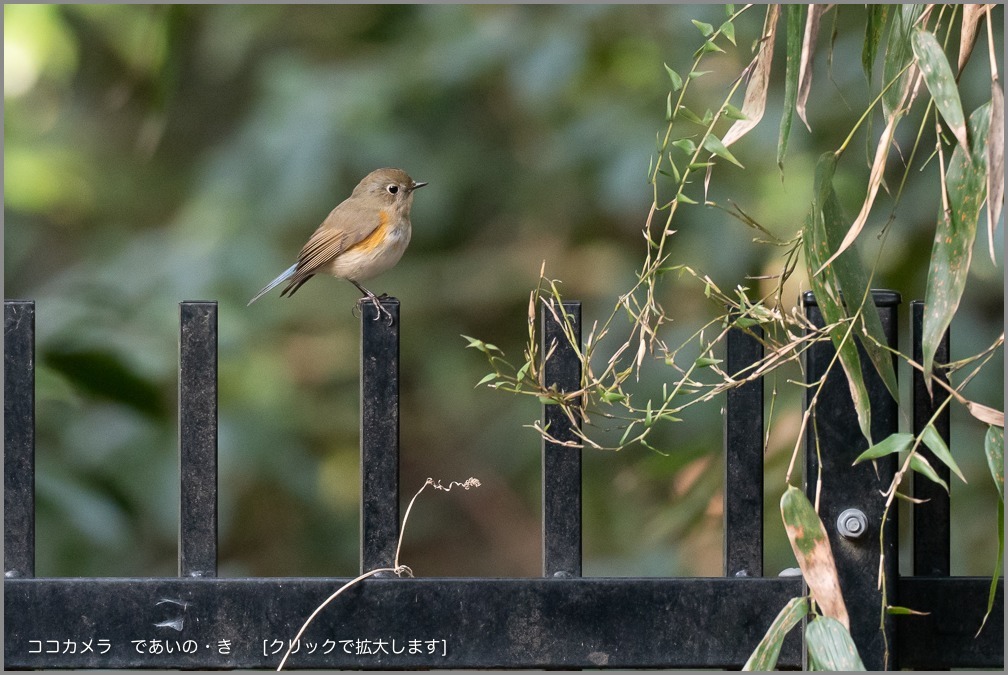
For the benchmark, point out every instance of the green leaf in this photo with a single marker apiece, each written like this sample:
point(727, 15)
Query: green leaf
point(684, 199)
point(853, 285)
point(674, 76)
point(812, 550)
point(713, 144)
point(764, 657)
point(894, 444)
point(998, 568)
point(729, 10)
point(873, 36)
point(795, 23)
point(486, 378)
point(728, 30)
point(933, 440)
point(707, 48)
point(965, 181)
point(733, 113)
point(547, 400)
point(940, 82)
point(668, 108)
point(994, 449)
point(830, 646)
point(904, 611)
point(686, 145)
point(705, 28)
point(484, 347)
point(612, 396)
point(924, 468)
point(706, 362)
point(823, 218)
point(690, 115)
point(899, 53)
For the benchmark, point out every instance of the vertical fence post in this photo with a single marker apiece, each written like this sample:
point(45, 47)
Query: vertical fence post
point(379, 433)
point(19, 438)
point(561, 464)
point(743, 443)
point(197, 405)
point(931, 540)
point(834, 436)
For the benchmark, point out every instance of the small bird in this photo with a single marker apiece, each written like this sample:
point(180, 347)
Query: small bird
point(362, 237)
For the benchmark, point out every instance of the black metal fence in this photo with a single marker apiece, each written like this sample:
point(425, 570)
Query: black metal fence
point(561, 620)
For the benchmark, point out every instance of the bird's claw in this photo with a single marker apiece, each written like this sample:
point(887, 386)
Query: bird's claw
point(380, 309)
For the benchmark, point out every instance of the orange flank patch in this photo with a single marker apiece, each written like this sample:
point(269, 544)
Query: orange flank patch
point(377, 236)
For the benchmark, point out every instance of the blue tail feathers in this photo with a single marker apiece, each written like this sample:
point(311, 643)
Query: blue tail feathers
point(276, 282)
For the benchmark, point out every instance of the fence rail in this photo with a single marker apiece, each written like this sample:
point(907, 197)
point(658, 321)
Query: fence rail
point(561, 620)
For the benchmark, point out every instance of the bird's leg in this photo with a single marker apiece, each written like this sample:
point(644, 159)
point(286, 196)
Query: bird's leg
point(374, 301)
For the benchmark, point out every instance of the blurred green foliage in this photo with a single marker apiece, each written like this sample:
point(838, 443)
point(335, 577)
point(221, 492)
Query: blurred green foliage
point(155, 154)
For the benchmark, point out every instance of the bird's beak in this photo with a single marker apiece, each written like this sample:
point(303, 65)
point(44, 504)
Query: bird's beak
point(416, 185)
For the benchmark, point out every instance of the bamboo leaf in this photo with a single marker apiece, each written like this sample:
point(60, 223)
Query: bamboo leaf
point(794, 33)
point(874, 181)
point(686, 145)
point(713, 144)
point(924, 468)
point(830, 646)
point(826, 285)
point(940, 82)
point(705, 28)
point(998, 568)
point(812, 550)
point(690, 115)
point(733, 113)
point(904, 611)
point(994, 449)
point(933, 440)
point(877, 15)
point(708, 47)
point(845, 276)
point(899, 53)
point(986, 414)
point(968, 32)
point(764, 657)
point(995, 162)
point(808, 53)
point(486, 378)
point(893, 444)
point(674, 76)
point(954, 236)
point(754, 104)
point(728, 30)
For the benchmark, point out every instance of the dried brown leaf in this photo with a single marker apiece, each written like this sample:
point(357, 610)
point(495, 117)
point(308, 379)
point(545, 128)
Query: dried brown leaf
point(986, 414)
point(754, 104)
point(812, 550)
point(807, 54)
point(995, 163)
point(968, 32)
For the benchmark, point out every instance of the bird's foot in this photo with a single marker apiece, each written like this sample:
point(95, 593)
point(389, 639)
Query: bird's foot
point(379, 307)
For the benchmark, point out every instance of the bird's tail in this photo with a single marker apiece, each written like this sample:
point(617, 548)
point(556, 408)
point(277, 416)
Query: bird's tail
point(276, 282)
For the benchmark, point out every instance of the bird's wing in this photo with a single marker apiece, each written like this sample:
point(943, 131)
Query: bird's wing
point(342, 229)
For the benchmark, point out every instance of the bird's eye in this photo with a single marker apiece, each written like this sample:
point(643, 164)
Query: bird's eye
point(393, 189)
